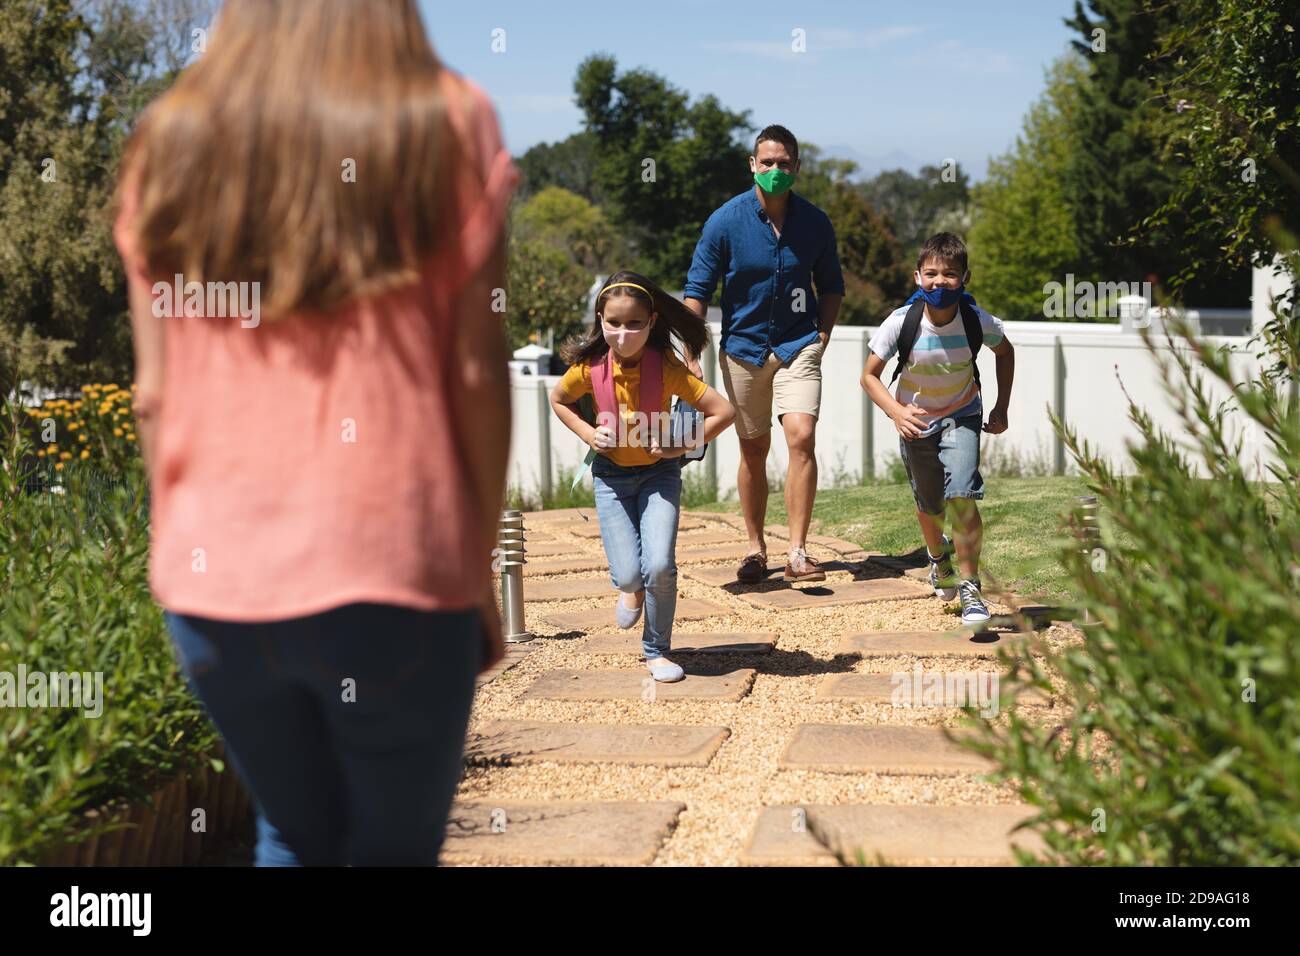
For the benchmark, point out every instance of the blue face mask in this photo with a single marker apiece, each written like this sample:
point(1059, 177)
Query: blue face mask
point(941, 297)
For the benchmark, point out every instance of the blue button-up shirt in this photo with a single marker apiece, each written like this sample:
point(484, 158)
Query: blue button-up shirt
point(762, 310)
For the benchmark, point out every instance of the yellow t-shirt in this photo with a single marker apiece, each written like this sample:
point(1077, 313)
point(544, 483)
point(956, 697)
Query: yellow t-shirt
point(678, 380)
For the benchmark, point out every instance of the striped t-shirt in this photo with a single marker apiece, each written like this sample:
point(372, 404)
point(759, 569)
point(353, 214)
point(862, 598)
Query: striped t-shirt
point(938, 376)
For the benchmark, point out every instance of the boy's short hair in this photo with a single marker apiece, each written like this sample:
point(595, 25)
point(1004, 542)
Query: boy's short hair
point(946, 247)
point(778, 134)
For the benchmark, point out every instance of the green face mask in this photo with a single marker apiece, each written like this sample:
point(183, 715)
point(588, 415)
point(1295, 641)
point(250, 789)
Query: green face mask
point(774, 181)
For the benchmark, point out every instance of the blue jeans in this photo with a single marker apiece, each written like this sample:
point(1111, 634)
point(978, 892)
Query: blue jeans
point(638, 508)
point(944, 465)
point(348, 726)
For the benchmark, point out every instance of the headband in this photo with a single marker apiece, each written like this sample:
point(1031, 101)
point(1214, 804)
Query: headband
point(632, 284)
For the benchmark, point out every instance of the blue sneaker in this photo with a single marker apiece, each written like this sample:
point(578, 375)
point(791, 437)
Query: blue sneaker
point(973, 608)
point(942, 578)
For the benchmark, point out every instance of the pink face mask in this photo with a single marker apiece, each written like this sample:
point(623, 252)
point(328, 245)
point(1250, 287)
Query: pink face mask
point(624, 341)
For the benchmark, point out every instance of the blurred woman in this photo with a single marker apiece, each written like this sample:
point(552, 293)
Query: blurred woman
point(312, 221)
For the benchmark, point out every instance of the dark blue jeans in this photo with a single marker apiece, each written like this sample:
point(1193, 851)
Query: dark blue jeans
point(348, 726)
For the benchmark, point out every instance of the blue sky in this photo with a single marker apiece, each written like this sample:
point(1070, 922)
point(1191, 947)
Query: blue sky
point(884, 82)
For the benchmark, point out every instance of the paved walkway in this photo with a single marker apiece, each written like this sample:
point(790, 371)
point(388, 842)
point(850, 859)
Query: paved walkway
point(809, 729)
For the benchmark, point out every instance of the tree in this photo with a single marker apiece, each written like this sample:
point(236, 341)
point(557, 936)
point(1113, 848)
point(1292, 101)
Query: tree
point(73, 78)
point(664, 164)
point(547, 290)
point(1022, 235)
point(1119, 173)
point(569, 164)
point(570, 223)
point(920, 205)
point(876, 272)
point(1229, 113)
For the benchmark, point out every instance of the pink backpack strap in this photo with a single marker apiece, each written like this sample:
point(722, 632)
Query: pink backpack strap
point(602, 389)
point(652, 386)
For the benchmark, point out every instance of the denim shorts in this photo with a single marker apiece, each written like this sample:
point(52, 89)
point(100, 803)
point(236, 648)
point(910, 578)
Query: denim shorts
point(944, 465)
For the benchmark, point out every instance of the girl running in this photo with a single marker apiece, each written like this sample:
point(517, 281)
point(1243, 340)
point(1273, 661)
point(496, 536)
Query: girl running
point(636, 472)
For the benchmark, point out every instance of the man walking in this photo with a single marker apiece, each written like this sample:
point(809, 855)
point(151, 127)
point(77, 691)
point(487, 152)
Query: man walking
point(781, 291)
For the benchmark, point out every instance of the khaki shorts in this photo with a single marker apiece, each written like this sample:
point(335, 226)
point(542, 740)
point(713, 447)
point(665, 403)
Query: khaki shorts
point(796, 386)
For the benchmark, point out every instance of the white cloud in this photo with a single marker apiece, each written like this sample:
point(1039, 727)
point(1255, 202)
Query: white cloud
point(819, 40)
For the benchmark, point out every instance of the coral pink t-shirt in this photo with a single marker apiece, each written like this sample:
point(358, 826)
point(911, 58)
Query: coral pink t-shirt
point(310, 462)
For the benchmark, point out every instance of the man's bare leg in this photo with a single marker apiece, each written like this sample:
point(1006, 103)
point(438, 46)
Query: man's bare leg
point(751, 484)
point(801, 478)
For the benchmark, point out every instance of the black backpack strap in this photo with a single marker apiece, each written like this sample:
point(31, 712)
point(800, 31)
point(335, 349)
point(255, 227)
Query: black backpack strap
point(907, 336)
point(970, 320)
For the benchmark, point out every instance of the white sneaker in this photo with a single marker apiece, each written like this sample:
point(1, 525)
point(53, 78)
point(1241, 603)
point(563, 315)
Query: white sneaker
point(627, 616)
point(662, 669)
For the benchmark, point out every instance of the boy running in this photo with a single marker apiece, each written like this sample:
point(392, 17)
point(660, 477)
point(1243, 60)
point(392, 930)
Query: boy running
point(938, 409)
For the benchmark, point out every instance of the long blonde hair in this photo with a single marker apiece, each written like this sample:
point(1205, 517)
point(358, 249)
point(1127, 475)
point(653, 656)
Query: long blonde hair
point(242, 164)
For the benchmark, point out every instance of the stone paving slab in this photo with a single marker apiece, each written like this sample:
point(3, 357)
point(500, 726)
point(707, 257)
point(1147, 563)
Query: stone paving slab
point(781, 837)
point(514, 654)
point(685, 522)
point(722, 576)
point(909, 688)
point(629, 642)
point(568, 589)
point(549, 550)
point(565, 684)
point(738, 522)
point(897, 835)
point(839, 545)
point(713, 552)
point(964, 643)
point(561, 832)
point(711, 536)
point(602, 618)
point(874, 748)
point(563, 565)
point(558, 516)
point(831, 593)
point(530, 741)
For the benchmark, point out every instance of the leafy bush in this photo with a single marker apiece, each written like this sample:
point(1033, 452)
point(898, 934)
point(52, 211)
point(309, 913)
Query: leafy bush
point(74, 596)
point(1183, 744)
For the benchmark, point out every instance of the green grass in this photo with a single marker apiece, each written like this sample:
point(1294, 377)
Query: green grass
point(1023, 527)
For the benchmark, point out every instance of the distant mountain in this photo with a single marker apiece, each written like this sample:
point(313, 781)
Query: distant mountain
point(869, 166)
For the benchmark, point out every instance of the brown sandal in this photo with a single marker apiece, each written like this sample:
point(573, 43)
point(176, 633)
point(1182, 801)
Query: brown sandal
point(753, 569)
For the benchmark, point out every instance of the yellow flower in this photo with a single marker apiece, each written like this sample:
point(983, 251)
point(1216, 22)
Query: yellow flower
point(85, 388)
point(54, 446)
point(65, 455)
point(40, 454)
point(82, 437)
point(58, 466)
point(117, 433)
point(110, 387)
point(130, 437)
point(85, 455)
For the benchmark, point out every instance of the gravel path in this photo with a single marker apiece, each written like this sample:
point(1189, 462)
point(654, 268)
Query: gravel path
point(724, 799)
